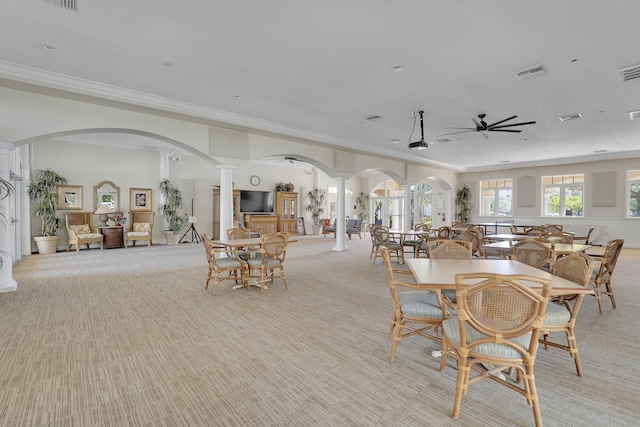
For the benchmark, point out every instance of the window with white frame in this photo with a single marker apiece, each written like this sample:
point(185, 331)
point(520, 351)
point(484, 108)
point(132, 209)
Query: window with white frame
point(496, 197)
point(633, 193)
point(563, 195)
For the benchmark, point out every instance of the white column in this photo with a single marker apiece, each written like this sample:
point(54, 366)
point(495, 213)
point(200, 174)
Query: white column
point(7, 282)
point(407, 207)
point(226, 199)
point(341, 230)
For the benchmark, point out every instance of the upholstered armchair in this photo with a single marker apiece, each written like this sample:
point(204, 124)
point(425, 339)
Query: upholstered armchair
point(353, 227)
point(140, 228)
point(327, 227)
point(80, 232)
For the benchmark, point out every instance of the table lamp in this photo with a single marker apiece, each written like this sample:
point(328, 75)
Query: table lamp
point(103, 210)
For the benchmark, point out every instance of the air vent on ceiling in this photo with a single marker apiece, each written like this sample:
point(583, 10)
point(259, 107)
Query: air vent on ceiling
point(634, 115)
point(629, 73)
point(530, 72)
point(570, 117)
point(443, 140)
point(65, 4)
point(374, 118)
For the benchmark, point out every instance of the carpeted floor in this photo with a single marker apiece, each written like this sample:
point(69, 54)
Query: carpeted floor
point(131, 338)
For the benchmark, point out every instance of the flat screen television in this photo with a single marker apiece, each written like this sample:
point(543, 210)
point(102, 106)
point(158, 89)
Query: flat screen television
point(253, 201)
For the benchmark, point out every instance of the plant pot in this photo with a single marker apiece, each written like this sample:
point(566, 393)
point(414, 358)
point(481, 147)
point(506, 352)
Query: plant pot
point(172, 238)
point(47, 244)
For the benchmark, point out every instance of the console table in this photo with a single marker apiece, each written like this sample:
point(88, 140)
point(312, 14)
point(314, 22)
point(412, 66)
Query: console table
point(112, 236)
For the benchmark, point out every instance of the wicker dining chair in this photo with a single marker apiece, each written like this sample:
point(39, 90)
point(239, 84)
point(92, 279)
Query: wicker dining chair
point(496, 329)
point(602, 276)
point(532, 252)
point(586, 237)
point(558, 237)
point(416, 310)
point(219, 263)
point(449, 249)
point(562, 312)
point(270, 259)
point(384, 239)
point(237, 234)
point(444, 232)
point(474, 235)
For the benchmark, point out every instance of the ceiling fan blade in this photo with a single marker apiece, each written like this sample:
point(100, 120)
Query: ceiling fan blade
point(501, 121)
point(461, 128)
point(515, 124)
point(485, 134)
point(462, 131)
point(505, 130)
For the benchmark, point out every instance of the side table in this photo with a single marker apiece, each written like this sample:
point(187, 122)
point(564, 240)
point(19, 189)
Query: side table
point(113, 236)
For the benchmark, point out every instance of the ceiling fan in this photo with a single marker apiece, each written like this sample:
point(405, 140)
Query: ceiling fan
point(484, 128)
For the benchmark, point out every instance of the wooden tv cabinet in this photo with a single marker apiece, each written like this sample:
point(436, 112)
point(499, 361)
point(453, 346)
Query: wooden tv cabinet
point(265, 224)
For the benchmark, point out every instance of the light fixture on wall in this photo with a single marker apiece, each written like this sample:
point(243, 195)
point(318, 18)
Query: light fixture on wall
point(103, 210)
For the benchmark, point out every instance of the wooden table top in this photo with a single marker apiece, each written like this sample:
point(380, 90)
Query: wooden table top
point(509, 237)
point(441, 273)
point(241, 243)
point(558, 247)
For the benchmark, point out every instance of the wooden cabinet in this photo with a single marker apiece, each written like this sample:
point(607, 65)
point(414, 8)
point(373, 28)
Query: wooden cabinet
point(216, 210)
point(286, 211)
point(112, 236)
point(265, 224)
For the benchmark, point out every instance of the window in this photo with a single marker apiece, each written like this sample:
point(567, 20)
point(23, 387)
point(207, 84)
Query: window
point(563, 195)
point(633, 201)
point(495, 197)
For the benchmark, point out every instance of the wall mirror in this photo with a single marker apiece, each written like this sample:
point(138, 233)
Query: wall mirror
point(106, 191)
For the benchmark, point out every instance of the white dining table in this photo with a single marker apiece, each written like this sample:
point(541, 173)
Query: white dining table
point(505, 246)
point(441, 273)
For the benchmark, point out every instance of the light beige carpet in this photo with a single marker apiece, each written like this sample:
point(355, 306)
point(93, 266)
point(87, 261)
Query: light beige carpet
point(131, 338)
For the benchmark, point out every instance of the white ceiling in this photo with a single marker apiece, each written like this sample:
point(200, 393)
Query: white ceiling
point(318, 69)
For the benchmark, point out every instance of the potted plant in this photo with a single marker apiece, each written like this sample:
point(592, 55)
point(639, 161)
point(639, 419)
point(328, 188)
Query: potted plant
point(363, 206)
point(170, 209)
point(43, 193)
point(315, 207)
point(281, 186)
point(463, 197)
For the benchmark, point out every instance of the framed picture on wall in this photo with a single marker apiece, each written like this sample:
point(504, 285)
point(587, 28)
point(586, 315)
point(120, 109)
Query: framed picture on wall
point(139, 199)
point(70, 197)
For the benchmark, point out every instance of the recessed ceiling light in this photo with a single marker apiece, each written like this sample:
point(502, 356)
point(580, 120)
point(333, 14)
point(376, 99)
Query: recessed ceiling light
point(167, 64)
point(443, 140)
point(374, 118)
point(505, 161)
point(236, 97)
point(599, 151)
point(49, 48)
point(395, 141)
point(634, 115)
point(397, 68)
point(570, 117)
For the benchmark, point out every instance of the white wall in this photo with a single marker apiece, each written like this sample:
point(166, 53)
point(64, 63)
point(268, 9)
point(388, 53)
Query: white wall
point(610, 221)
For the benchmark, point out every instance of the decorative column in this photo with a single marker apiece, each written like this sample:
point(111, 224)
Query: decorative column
point(226, 199)
point(407, 207)
point(341, 229)
point(7, 249)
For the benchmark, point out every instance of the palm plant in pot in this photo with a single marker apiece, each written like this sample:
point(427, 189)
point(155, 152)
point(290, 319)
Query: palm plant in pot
point(43, 194)
point(170, 209)
point(315, 207)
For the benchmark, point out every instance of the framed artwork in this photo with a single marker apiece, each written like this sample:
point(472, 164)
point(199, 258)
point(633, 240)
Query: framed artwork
point(70, 197)
point(139, 199)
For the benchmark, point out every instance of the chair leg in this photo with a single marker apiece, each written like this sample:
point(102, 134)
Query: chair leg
point(598, 297)
point(573, 350)
point(610, 293)
point(283, 277)
point(461, 387)
point(397, 337)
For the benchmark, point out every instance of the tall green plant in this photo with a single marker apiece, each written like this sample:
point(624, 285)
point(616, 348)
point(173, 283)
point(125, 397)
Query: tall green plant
point(315, 205)
point(43, 193)
point(363, 206)
point(171, 206)
point(463, 198)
